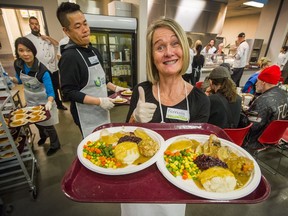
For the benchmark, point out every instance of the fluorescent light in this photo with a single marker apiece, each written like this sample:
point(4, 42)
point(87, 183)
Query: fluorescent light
point(254, 4)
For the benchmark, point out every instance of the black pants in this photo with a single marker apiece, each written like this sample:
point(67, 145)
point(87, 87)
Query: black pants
point(49, 131)
point(56, 87)
point(237, 74)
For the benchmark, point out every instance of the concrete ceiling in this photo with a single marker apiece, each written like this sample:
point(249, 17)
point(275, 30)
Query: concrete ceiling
point(236, 8)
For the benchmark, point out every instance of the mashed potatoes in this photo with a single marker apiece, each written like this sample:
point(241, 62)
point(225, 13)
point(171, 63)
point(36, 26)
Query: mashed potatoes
point(218, 179)
point(127, 152)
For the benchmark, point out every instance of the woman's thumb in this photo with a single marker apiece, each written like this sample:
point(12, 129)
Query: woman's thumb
point(141, 94)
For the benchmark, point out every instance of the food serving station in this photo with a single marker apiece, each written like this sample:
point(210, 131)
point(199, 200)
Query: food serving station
point(148, 185)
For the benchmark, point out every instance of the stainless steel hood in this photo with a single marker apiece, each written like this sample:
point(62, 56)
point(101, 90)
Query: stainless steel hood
point(201, 16)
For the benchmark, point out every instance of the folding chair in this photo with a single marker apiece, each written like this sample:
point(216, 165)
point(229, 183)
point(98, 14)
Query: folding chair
point(238, 135)
point(271, 139)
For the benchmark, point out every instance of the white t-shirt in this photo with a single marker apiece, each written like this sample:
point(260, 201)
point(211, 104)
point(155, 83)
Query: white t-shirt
point(282, 59)
point(210, 51)
point(241, 56)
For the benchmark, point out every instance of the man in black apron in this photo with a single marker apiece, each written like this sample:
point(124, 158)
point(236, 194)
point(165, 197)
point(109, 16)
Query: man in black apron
point(83, 79)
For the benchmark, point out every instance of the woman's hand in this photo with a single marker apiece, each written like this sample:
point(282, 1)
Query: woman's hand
point(119, 88)
point(144, 111)
point(48, 105)
point(106, 103)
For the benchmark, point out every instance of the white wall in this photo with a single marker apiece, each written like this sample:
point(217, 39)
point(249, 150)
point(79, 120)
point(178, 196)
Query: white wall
point(233, 26)
point(281, 28)
point(260, 27)
point(49, 8)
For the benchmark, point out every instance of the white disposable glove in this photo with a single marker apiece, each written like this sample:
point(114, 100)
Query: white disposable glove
point(106, 103)
point(119, 88)
point(144, 111)
point(48, 105)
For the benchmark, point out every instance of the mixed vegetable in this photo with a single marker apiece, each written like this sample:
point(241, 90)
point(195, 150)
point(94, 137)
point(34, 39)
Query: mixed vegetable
point(101, 154)
point(180, 163)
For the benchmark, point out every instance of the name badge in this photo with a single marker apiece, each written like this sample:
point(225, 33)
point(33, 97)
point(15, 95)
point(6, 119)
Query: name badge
point(93, 60)
point(177, 114)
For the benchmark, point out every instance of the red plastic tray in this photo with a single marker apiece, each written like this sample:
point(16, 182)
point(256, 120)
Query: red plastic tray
point(148, 185)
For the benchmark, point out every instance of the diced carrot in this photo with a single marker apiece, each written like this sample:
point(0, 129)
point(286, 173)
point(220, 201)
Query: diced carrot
point(184, 177)
point(98, 151)
point(167, 152)
point(118, 164)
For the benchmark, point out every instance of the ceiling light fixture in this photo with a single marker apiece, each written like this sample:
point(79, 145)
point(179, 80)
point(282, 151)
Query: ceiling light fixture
point(256, 3)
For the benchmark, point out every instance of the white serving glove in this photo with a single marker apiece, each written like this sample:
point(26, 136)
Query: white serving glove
point(106, 103)
point(48, 105)
point(144, 111)
point(119, 88)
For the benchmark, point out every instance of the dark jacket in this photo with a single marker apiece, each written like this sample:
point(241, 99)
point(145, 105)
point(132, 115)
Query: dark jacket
point(271, 105)
point(222, 113)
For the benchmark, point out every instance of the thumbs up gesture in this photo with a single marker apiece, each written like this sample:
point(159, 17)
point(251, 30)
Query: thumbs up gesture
point(144, 111)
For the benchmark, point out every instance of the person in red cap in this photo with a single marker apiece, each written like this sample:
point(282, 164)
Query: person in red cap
point(270, 105)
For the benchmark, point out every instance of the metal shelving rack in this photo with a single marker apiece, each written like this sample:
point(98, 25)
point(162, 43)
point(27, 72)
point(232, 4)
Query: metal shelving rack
point(20, 167)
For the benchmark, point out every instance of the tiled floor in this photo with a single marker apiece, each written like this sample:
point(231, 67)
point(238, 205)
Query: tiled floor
point(52, 201)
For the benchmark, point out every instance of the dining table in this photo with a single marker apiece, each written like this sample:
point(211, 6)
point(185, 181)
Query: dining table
point(148, 185)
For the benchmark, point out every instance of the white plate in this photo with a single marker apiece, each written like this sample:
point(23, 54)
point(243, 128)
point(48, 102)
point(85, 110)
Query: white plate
point(36, 112)
point(35, 108)
point(126, 93)
point(124, 100)
point(31, 119)
point(22, 122)
point(19, 111)
point(128, 169)
point(19, 117)
point(189, 185)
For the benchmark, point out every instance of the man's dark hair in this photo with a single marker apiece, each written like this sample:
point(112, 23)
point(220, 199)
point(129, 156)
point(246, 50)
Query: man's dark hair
point(64, 9)
point(32, 17)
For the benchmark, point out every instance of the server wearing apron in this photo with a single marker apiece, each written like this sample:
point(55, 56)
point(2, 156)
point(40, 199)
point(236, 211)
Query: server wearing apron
point(83, 80)
point(38, 89)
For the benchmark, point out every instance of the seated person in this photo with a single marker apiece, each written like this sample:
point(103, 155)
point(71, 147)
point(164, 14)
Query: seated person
point(225, 103)
point(270, 105)
point(249, 86)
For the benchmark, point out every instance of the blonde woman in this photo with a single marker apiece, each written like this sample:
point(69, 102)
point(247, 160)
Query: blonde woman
point(249, 86)
point(166, 96)
point(157, 99)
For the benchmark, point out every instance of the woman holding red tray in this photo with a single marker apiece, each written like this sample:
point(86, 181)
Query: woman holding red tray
point(166, 97)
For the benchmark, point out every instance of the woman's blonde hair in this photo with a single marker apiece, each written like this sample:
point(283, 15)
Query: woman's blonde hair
point(264, 62)
point(152, 72)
